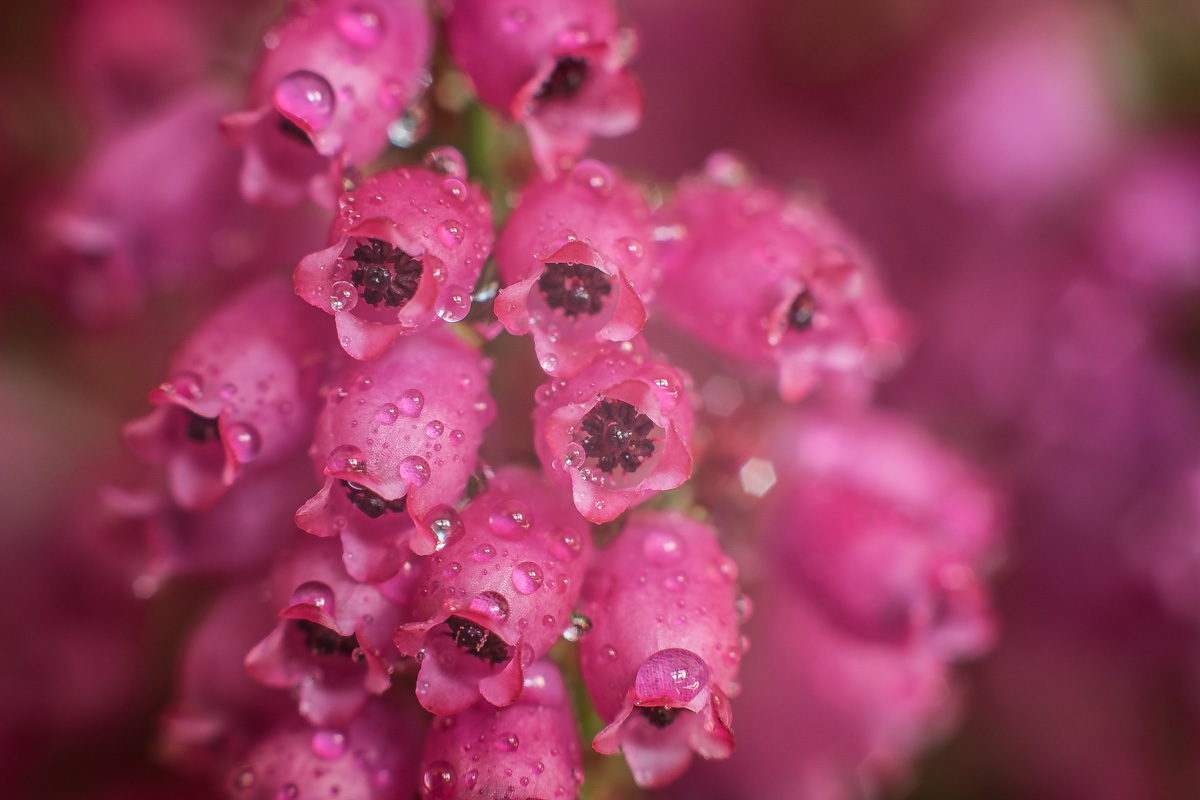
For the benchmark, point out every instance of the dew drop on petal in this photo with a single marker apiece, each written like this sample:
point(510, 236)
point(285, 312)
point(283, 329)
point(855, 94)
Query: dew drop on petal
point(329, 744)
point(527, 577)
point(450, 232)
point(438, 781)
point(388, 414)
point(446, 525)
point(676, 582)
point(346, 458)
point(244, 441)
point(414, 470)
point(314, 593)
point(343, 296)
point(492, 605)
point(662, 548)
point(455, 188)
point(471, 778)
point(408, 128)
point(566, 543)
point(507, 742)
point(434, 429)
point(484, 553)
point(632, 248)
point(455, 305)
point(411, 403)
point(575, 455)
point(305, 97)
point(361, 26)
point(448, 161)
point(457, 436)
point(511, 519)
point(549, 362)
point(594, 176)
point(580, 625)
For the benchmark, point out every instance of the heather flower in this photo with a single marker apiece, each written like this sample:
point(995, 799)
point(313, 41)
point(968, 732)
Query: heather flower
point(333, 642)
point(883, 530)
point(773, 281)
point(530, 747)
point(573, 261)
point(406, 250)
point(241, 390)
point(557, 66)
point(396, 443)
point(498, 595)
point(373, 757)
point(335, 75)
point(661, 659)
point(619, 431)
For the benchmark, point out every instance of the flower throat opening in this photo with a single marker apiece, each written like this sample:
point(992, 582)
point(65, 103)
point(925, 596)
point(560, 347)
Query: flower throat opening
point(574, 288)
point(617, 436)
point(384, 273)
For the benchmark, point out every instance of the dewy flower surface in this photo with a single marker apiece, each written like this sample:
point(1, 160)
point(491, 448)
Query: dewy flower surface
point(576, 258)
point(396, 443)
point(770, 280)
point(486, 751)
point(557, 66)
point(618, 432)
point(241, 391)
point(498, 595)
point(661, 659)
point(332, 78)
point(406, 250)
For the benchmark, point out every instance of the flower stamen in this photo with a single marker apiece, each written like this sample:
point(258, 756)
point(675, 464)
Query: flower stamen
point(659, 716)
point(565, 81)
point(370, 503)
point(384, 273)
point(322, 641)
point(800, 313)
point(617, 436)
point(201, 429)
point(574, 288)
point(477, 640)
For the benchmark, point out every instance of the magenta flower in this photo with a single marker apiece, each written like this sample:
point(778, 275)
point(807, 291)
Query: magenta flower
point(333, 642)
point(619, 431)
point(335, 75)
point(884, 531)
point(661, 659)
point(573, 261)
point(774, 281)
point(557, 66)
point(373, 757)
point(242, 389)
point(498, 595)
point(396, 443)
point(530, 748)
point(407, 249)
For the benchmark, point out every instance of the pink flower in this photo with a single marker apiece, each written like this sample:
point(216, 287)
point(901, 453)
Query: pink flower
point(774, 281)
point(333, 641)
point(373, 757)
point(487, 752)
point(334, 76)
point(620, 431)
point(241, 390)
point(884, 531)
point(557, 66)
point(498, 595)
point(573, 261)
point(661, 659)
point(398, 441)
point(407, 249)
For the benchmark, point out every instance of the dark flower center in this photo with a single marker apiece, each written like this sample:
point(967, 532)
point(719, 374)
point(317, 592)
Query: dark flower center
point(575, 288)
point(385, 273)
point(659, 716)
point(370, 503)
point(568, 77)
point(322, 641)
point(617, 435)
point(478, 640)
point(201, 429)
point(800, 313)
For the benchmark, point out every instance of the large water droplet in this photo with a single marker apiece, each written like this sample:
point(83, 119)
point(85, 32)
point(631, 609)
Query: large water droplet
point(471, 778)
point(411, 403)
point(387, 414)
point(361, 26)
point(346, 458)
point(492, 605)
point(456, 305)
point(446, 525)
point(595, 176)
point(244, 441)
point(580, 625)
point(575, 455)
point(408, 128)
point(439, 781)
point(511, 519)
point(434, 429)
point(305, 98)
point(343, 296)
point(414, 470)
point(448, 161)
point(662, 548)
point(507, 742)
point(329, 744)
point(566, 543)
point(314, 593)
point(450, 232)
point(456, 189)
point(527, 577)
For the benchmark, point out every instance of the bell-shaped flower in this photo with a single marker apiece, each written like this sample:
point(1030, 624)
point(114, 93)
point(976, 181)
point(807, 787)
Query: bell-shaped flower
point(332, 82)
point(486, 751)
point(405, 252)
point(775, 283)
point(576, 261)
point(661, 659)
point(559, 67)
point(619, 432)
point(241, 390)
point(498, 595)
point(397, 442)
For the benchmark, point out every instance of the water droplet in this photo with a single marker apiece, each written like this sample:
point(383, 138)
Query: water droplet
point(414, 470)
point(676, 582)
point(448, 161)
point(744, 607)
point(455, 188)
point(566, 543)
point(507, 742)
point(244, 441)
point(633, 249)
point(388, 414)
point(446, 525)
point(548, 621)
point(549, 362)
point(595, 176)
point(610, 653)
point(305, 98)
point(451, 233)
point(727, 568)
point(492, 605)
point(726, 169)
point(287, 792)
point(361, 26)
point(434, 429)
point(343, 296)
point(471, 778)
point(314, 593)
point(662, 548)
point(575, 455)
point(408, 128)
point(346, 458)
point(580, 625)
point(439, 781)
point(527, 577)
point(411, 403)
point(511, 519)
point(329, 744)
point(457, 437)
point(456, 305)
